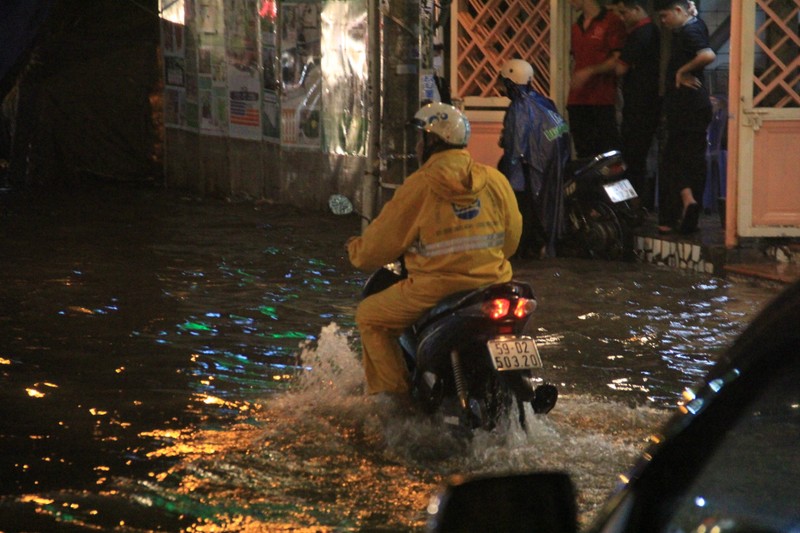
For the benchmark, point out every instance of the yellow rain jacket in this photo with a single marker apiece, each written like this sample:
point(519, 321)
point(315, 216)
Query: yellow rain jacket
point(454, 217)
point(456, 221)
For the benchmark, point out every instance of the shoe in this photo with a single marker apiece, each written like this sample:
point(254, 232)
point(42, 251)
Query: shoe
point(691, 215)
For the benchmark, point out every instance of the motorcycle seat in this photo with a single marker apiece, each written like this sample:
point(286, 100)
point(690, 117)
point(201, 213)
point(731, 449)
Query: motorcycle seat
point(592, 165)
point(445, 305)
point(461, 298)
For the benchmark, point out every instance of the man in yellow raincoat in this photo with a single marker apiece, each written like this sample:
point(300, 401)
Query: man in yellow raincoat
point(455, 221)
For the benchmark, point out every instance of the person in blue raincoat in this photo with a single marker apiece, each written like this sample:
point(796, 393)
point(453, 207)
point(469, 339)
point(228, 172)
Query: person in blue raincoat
point(536, 149)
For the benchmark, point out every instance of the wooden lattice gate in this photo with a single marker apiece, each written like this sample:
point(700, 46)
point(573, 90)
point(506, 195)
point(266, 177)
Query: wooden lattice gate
point(492, 31)
point(484, 34)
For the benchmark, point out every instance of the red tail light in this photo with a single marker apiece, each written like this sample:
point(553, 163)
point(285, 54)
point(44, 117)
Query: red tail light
point(497, 308)
point(524, 307)
point(501, 307)
point(614, 169)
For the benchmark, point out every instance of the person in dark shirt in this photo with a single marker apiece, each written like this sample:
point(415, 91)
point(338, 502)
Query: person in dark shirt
point(638, 66)
point(687, 108)
point(597, 39)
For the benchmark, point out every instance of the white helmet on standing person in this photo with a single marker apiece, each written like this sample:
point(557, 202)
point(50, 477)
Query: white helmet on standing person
point(518, 71)
point(445, 121)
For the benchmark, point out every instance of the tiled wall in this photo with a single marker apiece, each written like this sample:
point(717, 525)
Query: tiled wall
point(674, 254)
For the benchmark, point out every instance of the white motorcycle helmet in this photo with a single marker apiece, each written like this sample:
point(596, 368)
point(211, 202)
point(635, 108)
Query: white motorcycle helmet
point(517, 71)
point(444, 121)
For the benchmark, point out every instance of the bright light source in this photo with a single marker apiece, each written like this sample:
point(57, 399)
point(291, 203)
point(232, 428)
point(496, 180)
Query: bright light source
point(497, 308)
point(700, 501)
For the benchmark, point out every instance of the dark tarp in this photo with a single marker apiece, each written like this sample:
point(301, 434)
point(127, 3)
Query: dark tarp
point(20, 21)
point(88, 100)
point(19, 24)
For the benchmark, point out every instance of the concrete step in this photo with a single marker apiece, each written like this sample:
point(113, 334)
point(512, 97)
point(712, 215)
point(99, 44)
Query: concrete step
point(785, 273)
point(767, 260)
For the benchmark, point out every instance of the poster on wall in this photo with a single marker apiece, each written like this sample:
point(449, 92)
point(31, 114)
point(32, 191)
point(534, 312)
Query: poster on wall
point(172, 38)
point(213, 104)
point(244, 82)
point(174, 103)
point(212, 71)
point(192, 110)
point(172, 42)
point(209, 20)
point(300, 74)
point(244, 104)
point(175, 71)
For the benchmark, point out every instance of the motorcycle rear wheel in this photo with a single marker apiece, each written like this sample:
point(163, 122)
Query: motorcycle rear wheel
point(497, 401)
point(602, 234)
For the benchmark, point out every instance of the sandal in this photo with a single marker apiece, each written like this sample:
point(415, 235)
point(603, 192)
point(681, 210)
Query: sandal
point(691, 215)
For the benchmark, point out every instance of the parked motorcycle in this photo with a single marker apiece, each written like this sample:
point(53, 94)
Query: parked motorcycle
point(469, 357)
point(597, 203)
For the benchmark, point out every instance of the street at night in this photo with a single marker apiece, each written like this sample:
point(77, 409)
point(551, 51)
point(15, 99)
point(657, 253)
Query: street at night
point(172, 363)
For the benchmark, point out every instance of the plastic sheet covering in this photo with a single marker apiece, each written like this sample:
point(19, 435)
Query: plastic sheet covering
point(344, 71)
point(85, 100)
point(301, 76)
point(19, 23)
point(268, 11)
point(172, 10)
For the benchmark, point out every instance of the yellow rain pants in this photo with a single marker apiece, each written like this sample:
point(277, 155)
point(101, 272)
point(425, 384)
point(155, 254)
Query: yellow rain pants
point(382, 318)
point(456, 222)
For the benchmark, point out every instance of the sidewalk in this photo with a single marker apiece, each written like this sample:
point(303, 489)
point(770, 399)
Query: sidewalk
point(767, 260)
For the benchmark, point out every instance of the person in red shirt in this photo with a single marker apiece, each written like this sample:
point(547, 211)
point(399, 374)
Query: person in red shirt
point(597, 40)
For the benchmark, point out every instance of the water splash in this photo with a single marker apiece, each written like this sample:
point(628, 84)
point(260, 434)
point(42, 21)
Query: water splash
point(591, 438)
point(330, 365)
point(323, 455)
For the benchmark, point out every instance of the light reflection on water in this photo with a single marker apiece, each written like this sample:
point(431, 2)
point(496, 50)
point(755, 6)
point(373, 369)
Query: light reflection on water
point(655, 330)
point(153, 373)
point(322, 454)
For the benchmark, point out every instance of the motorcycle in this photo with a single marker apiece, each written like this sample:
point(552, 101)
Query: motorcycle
point(469, 357)
point(597, 203)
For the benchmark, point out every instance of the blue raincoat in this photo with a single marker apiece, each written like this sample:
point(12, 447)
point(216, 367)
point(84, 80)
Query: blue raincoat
point(536, 148)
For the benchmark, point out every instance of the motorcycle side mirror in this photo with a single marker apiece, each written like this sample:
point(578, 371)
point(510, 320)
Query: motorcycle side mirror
point(543, 502)
point(340, 204)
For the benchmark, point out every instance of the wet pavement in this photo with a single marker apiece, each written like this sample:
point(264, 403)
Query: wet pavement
point(170, 363)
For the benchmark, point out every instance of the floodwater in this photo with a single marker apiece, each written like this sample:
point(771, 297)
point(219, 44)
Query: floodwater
point(177, 364)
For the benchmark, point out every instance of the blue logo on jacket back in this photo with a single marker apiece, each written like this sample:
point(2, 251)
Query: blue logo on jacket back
point(467, 212)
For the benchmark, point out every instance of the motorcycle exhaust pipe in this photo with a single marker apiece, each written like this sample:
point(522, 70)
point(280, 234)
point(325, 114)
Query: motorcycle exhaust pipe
point(545, 398)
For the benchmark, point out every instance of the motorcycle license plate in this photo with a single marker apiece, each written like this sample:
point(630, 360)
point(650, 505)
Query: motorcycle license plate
point(619, 191)
point(514, 353)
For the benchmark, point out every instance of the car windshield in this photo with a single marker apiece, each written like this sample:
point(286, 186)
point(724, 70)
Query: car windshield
point(752, 480)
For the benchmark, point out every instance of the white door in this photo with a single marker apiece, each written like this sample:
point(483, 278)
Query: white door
point(765, 120)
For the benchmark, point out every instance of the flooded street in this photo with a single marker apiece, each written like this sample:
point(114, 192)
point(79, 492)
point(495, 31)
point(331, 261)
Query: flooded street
point(176, 364)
